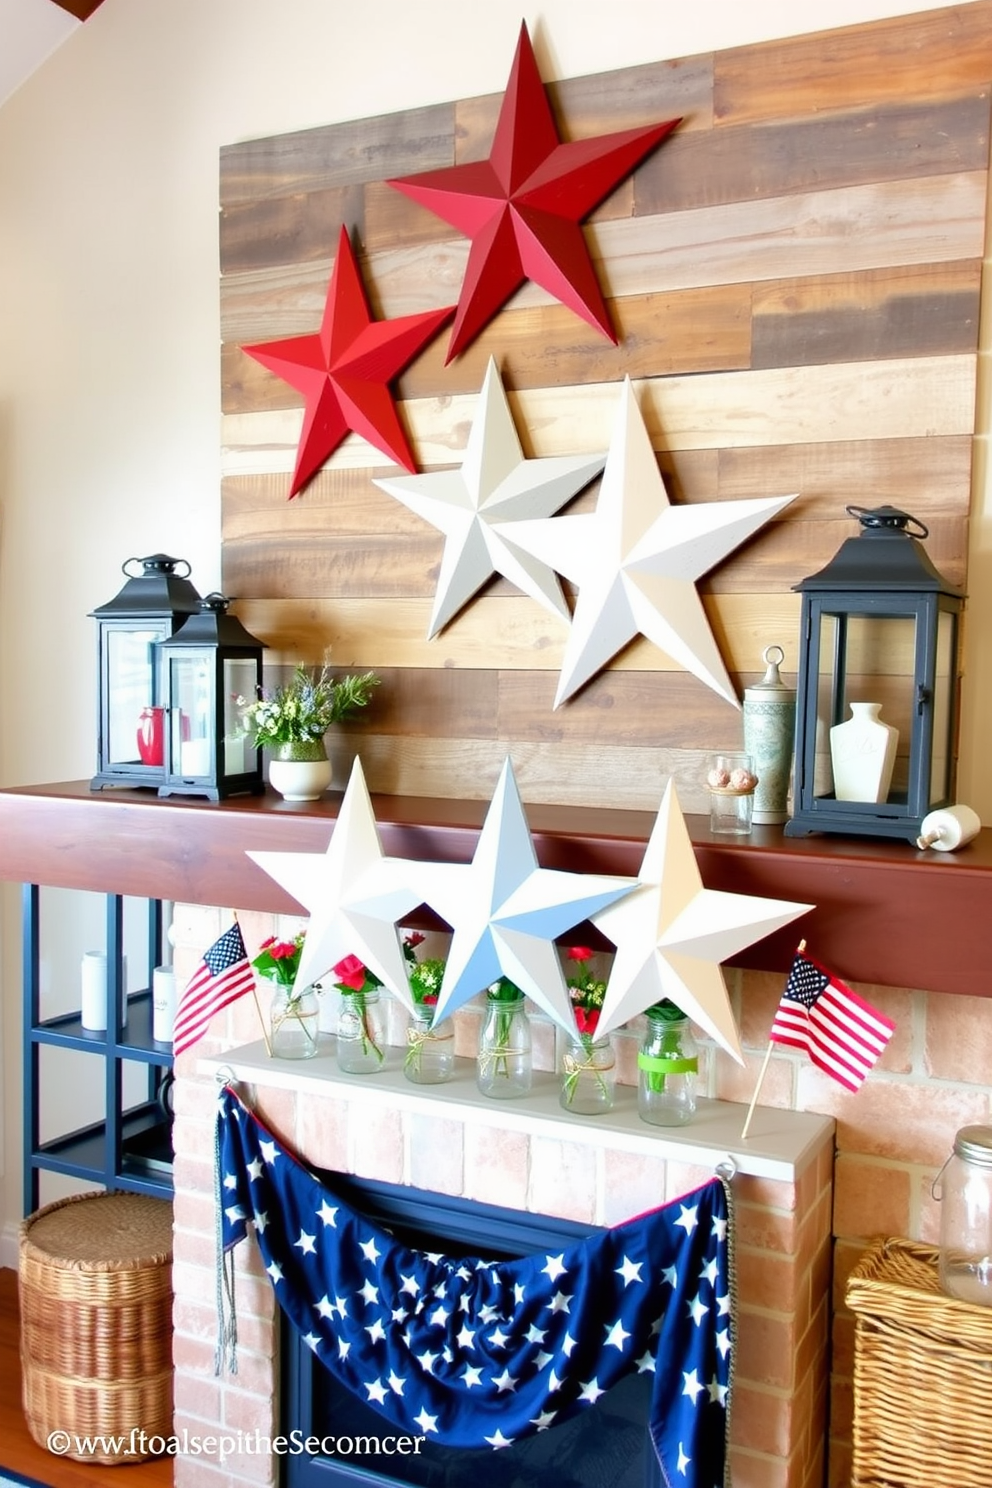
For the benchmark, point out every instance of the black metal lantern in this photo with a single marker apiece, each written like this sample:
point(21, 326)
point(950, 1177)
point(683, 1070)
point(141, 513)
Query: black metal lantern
point(151, 607)
point(209, 669)
point(877, 697)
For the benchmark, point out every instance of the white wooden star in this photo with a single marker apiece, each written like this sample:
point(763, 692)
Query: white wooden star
point(671, 934)
point(505, 911)
point(354, 894)
point(478, 506)
point(636, 561)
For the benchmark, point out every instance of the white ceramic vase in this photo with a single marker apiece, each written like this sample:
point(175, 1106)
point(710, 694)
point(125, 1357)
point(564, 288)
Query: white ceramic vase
point(301, 779)
point(863, 753)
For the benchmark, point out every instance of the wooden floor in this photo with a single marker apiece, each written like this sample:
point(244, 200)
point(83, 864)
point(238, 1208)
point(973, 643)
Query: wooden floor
point(18, 1451)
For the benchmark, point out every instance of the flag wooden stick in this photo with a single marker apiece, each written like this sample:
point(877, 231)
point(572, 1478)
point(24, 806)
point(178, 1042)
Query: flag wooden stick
point(763, 1071)
point(258, 1008)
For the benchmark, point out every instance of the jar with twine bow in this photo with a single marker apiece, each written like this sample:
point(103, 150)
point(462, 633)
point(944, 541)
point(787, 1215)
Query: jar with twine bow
point(503, 1067)
point(588, 1063)
point(430, 1048)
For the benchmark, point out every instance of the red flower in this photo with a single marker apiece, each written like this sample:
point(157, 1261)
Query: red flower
point(429, 999)
point(580, 953)
point(414, 939)
point(586, 1019)
point(351, 972)
point(279, 949)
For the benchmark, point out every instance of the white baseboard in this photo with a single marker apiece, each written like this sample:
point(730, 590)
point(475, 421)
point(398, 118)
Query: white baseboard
point(9, 1245)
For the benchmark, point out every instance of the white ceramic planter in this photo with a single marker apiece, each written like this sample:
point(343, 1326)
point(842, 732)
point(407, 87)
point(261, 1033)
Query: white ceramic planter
point(300, 780)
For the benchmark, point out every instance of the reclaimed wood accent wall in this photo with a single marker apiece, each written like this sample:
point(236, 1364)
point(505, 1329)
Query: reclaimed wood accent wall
point(794, 276)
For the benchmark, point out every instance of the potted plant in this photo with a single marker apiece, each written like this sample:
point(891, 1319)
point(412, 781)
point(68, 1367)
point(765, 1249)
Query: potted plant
point(292, 722)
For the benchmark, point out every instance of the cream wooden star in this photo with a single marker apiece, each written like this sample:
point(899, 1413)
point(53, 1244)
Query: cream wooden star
point(671, 934)
point(354, 894)
point(478, 506)
point(636, 561)
point(505, 911)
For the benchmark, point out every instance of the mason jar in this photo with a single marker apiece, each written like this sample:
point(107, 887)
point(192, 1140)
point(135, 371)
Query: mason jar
point(360, 1041)
point(588, 1074)
point(667, 1067)
point(430, 1051)
point(294, 1022)
point(964, 1187)
point(503, 1068)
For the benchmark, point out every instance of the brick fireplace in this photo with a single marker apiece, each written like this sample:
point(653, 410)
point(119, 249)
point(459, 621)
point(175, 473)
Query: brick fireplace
point(523, 1155)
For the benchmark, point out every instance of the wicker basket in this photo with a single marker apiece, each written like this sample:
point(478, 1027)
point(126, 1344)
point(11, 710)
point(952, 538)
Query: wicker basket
point(922, 1375)
point(95, 1282)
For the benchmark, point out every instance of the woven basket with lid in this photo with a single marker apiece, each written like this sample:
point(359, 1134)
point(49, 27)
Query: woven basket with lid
point(95, 1283)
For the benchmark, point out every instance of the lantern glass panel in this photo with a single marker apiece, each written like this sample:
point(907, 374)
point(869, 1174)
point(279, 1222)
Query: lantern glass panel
point(130, 688)
point(191, 713)
point(943, 712)
point(866, 659)
point(240, 677)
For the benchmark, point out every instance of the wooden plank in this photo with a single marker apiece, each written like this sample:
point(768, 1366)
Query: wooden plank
point(919, 310)
point(877, 225)
point(937, 54)
point(299, 227)
point(898, 399)
point(337, 155)
point(633, 709)
point(903, 138)
point(507, 632)
point(707, 330)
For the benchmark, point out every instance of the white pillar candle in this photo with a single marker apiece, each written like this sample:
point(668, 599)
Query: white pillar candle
point(163, 1004)
point(948, 828)
point(195, 757)
point(93, 1002)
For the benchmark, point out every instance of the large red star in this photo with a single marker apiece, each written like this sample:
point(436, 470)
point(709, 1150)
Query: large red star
point(344, 370)
point(522, 207)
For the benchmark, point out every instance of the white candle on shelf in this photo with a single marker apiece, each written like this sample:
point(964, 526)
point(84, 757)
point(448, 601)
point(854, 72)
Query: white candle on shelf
point(163, 1004)
point(93, 1002)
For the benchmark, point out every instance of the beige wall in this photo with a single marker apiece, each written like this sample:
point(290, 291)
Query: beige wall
point(109, 406)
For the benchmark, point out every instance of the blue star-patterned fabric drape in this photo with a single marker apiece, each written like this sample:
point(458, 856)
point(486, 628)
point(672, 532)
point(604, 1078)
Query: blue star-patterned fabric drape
point(476, 1352)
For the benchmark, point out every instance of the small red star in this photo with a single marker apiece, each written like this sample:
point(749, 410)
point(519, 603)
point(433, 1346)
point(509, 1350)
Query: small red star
point(522, 207)
point(344, 370)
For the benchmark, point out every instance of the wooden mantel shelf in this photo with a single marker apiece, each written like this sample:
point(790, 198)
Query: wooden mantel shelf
point(885, 913)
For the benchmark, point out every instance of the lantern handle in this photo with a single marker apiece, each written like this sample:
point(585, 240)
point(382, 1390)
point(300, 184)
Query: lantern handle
point(157, 563)
point(889, 516)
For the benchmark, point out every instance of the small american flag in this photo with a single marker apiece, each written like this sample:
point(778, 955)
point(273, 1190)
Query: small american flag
point(223, 975)
point(842, 1033)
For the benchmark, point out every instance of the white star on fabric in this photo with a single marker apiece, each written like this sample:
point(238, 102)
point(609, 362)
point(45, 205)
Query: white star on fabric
point(463, 1273)
point(536, 1335)
point(478, 506)
point(254, 1169)
point(646, 1364)
point(325, 1306)
point(717, 1392)
point(466, 1338)
point(498, 1338)
point(369, 1292)
point(554, 1269)
point(590, 1392)
point(542, 1360)
point(505, 911)
point(670, 1275)
point(488, 1313)
point(719, 1228)
point(376, 1331)
point(472, 1376)
point(341, 1307)
point(629, 1270)
point(376, 1391)
point(370, 1250)
point(543, 1421)
point(326, 1213)
point(688, 1217)
point(275, 1271)
point(697, 1310)
point(499, 1440)
point(344, 1348)
point(426, 1361)
point(440, 1316)
point(723, 1343)
point(353, 893)
point(305, 1243)
point(235, 1211)
point(636, 560)
point(230, 1181)
point(560, 1302)
point(519, 1293)
point(710, 1271)
point(270, 1152)
point(615, 1336)
point(723, 1305)
point(683, 1461)
point(692, 1387)
point(425, 1422)
point(399, 1314)
point(261, 1220)
point(671, 934)
point(567, 1345)
point(505, 1381)
point(409, 1284)
point(311, 1340)
point(396, 1382)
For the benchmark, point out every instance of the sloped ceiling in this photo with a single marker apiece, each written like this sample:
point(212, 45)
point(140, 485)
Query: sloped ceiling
point(30, 31)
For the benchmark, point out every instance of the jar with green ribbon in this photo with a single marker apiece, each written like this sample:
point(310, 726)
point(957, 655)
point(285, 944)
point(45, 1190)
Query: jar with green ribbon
point(667, 1067)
